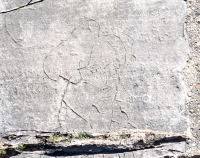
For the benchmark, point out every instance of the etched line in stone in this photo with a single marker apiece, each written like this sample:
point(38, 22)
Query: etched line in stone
point(74, 111)
point(96, 108)
point(11, 36)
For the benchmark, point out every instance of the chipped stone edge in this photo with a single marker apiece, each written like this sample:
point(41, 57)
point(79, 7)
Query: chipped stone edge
point(15, 143)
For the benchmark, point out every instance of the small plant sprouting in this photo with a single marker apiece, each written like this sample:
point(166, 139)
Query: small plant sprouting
point(21, 147)
point(82, 136)
point(61, 137)
point(69, 140)
point(69, 137)
point(2, 152)
point(55, 137)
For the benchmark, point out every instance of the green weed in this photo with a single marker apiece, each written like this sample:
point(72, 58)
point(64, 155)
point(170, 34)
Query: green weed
point(82, 136)
point(2, 152)
point(21, 147)
point(56, 137)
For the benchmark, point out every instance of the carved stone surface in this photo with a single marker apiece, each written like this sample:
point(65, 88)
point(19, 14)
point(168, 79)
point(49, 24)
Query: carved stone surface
point(92, 65)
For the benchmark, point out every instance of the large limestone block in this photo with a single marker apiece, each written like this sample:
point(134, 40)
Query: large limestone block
point(88, 65)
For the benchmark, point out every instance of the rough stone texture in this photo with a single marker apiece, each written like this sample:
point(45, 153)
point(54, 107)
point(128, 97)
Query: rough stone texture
point(91, 65)
point(192, 73)
point(70, 144)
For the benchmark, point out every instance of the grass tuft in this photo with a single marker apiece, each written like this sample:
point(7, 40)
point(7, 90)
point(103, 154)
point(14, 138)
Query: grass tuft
point(82, 136)
point(2, 152)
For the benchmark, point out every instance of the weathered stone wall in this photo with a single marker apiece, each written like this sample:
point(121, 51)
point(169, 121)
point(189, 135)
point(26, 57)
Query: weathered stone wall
point(98, 66)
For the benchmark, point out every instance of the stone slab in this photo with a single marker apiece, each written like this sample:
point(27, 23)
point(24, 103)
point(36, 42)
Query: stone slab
point(93, 65)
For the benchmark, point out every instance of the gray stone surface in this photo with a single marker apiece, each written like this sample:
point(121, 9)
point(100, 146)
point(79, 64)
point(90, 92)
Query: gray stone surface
point(95, 65)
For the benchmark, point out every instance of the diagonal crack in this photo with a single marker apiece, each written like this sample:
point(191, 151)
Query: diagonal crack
point(77, 113)
point(74, 111)
point(20, 7)
point(96, 108)
point(10, 35)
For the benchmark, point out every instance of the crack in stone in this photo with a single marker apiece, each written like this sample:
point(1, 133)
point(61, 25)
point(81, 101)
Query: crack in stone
point(175, 151)
point(96, 108)
point(61, 103)
point(20, 7)
point(11, 36)
point(49, 76)
point(132, 125)
point(123, 112)
point(74, 111)
point(68, 80)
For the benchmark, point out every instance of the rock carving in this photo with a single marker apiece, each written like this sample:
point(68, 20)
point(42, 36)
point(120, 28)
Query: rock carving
point(80, 67)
